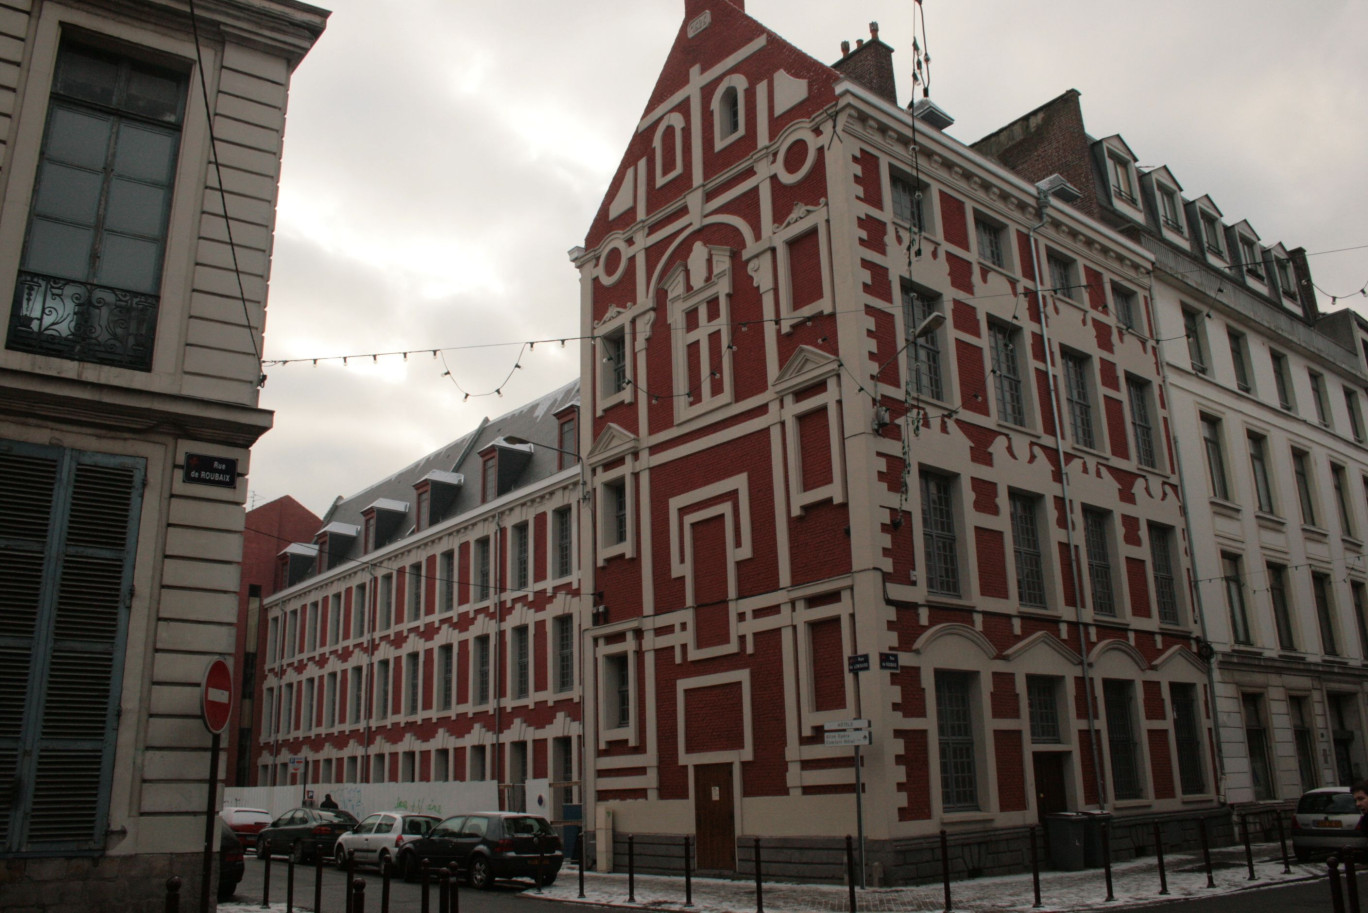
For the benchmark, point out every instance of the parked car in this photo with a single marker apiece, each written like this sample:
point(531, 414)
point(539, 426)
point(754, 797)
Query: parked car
point(378, 838)
point(246, 823)
point(304, 833)
point(232, 863)
point(486, 846)
point(1326, 821)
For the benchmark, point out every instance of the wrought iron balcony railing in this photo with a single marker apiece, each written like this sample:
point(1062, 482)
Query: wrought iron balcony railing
point(82, 322)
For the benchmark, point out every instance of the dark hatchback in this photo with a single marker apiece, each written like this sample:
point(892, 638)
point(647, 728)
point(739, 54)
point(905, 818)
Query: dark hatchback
point(304, 833)
point(487, 846)
point(232, 865)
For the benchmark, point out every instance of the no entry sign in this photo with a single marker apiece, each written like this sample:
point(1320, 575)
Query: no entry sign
point(216, 696)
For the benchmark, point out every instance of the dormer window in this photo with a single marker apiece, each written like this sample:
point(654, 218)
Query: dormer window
point(368, 543)
point(1249, 258)
point(489, 478)
point(1285, 280)
point(567, 440)
point(1211, 235)
point(1169, 210)
point(729, 111)
point(1122, 180)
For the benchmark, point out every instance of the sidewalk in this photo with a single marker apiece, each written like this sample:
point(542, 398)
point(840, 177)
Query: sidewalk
point(1133, 883)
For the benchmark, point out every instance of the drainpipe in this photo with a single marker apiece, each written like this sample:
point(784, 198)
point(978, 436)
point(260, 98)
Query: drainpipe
point(373, 604)
point(1045, 189)
point(496, 686)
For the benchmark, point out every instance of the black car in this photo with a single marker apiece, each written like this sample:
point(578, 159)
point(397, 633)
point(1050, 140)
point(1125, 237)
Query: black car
point(486, 846)
point(232, 865)
point(304, 833)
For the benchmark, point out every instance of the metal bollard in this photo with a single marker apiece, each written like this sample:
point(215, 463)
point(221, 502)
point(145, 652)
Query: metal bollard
point(443, 891)
point(1159, 854)
point(850, 869)
point(945, 866)
point(1336, 890)
point(1249, 849)
point(583, 857)
point(318, 881)
point(289, 883)
point(541, 861)
point(351, 876)
point(1035, 867)
point(631, 869)
point(266, 881)
point(385, 874)
point(759, 883)
point(455, 894)
point(423, 903)
point(1282, 841)
point(688, 871)
point(1350, 883)
point(1206, 852)
point(173, 886)
point(1106, 857)
point(358, 895)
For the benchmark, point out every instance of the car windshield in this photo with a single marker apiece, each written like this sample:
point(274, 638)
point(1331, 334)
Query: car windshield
point(1327, 804)
point(336, 814)
point(526, 827)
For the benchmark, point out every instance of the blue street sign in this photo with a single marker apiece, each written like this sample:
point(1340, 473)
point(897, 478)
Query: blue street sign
point(858, 662)
point(888, 662)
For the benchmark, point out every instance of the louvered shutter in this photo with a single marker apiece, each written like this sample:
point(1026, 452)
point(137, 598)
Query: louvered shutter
point(68, 523)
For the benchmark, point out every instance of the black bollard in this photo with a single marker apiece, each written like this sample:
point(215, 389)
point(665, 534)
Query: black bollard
point(443, 891)
point(541, 860)
point(1206, 852)
point(266, 881)
point(1350, 883)
point(455, 893)
point(631, 869)
point(850, 869)
point(759, 884)
point(358, 895)
point(1336, 890)
point(945, 867)
point(688, 871)
point(423, 903)
point(318, 881)
point(583, 857)
point(1159, 854)
point(1249, 849)
point(289, 883)
point(1035, 867)
point(1106, 857)
point(385, 873)
point(173, 886)
point(351, 876)
point(1282, 841)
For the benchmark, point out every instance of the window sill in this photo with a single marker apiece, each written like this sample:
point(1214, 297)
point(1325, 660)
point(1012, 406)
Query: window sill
point(1003, 271)
point(1043, 612)
point(947, 601)
point(911, 228)
point(1353, 543)
point(966, 817)
point(1270, 521)
point(1318, 533)
point(1131, 803)
point(1020, 429)
point(1225, 508)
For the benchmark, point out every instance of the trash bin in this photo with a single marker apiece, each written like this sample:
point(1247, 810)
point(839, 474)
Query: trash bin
point(1093, 823)
point(1065, 832)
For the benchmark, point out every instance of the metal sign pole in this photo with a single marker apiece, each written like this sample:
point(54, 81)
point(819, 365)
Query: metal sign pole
point(859, 815)
point(206, 869)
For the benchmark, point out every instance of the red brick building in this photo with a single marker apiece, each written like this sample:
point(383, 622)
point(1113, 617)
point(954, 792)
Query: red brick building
point(269, 528)
point(829, 338)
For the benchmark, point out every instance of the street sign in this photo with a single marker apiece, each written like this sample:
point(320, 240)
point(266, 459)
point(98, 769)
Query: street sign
point(847, 737)
point(296, 764)
point(845, 724)
point(202, 469)
point(858, 662)
point(216, 696)
point(888, 662)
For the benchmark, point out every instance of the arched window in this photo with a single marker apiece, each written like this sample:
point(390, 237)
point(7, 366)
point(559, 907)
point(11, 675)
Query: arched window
point(729, 112)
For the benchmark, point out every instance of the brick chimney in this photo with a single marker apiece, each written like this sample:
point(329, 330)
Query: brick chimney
point(870, 65)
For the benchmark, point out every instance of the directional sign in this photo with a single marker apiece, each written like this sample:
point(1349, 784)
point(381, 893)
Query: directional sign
point(216, 695)
point(845, 724)
point(858, 662)
point(888, 662)
point(847, 737)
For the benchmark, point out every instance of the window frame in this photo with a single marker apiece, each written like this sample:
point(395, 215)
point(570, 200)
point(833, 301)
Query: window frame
point(1277, 600)
point(1257, 448)
point(1097, 546)
point(1078, 398)
point(1009, 387)
point(1239, 360)
point(1123, 743)
point(941, 534)
point(1232, 575)
point(1213, 446)
point(1063, 272)
point(1140, 399)
point(926, 363)
point(1028, 553)
point(957, 738)
point(1166, 595)
point(1194, 329)
point(992, 242)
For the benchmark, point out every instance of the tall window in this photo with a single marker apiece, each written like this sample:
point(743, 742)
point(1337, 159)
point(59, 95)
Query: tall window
point(1256, 737)
point(1078, 396)
point(1215, 457)
point(1142, 424)
point(382, 689)
point(1360, 616)
point(730, 112)
point(1161, 564)
point(613, 349)
point(1211, 234)
point(992, 247)
point(1249, 258)
point(480, 557)
point(480, 651)
point(411, 681)
point(1007, 373)
point(356, 684)
point(1320, 588)
point(567, 442)
point(91, 269)
point(1118, 696)
point(522, 663)
point(924, 368)
point(1258, 466)
point(1063, 275)
point(1301, 471)
point(446, 584)
point(907, 200)
point(1239, 358)
point(1351, 405)
point(614, 516)
point(1235, 601)
point(563, 630)
point(617, 691)
point(1283, 381)
point(1277, 595)
point(1030, 563)
point(1187, 737)
point(446, 673)
point(1194, 327)
point(520, 556)
point(955, 733)
point(489, 477)
point(1126, 304)
point(479, 768)
point(1042, 698)
point(1095, 541)
point(358, 628)
point(564, 533)
point(1169, 212)
point(1318, 398)
point(1304, 738)
point(386, 607)
point(335, 619)
point(938, 534)
point(309, 707)
point(414, 584)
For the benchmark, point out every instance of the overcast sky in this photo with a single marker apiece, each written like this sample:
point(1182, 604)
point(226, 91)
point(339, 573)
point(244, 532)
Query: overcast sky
point(442, 156)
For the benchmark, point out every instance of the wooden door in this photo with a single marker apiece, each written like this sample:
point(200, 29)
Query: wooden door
point(1051, 793)
point(714, 817)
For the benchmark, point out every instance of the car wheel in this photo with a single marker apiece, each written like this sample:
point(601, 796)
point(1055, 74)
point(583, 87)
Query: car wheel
point(481, 877)
point(409, 866)
point(548, 880)
point(263, 849)
point(385, 865)
point(298, 853)
point(340, 857)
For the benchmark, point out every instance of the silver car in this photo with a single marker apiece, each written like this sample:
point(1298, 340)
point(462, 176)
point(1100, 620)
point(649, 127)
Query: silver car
point(377, 839)
point(1326, 821)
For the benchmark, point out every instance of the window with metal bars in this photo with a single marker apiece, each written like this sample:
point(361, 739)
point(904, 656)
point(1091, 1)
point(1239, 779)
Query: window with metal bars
point(955, 733)
point(446, 667)
point(520, 556)
point(924, 369)
point(1011, 403)
point(991, 246)
point(1161, 565)
point(1187, 738)
point(939, 536)
point(1042, 698)
point(522, 665)
point(1142, 426)
point(480, 647)
point(908, 200)
point(563, 529)
point(1078, 397)
point(1118, 697)
point(1030, 561)
point(1095, 540)
point(564, 629)
point(481, 559)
